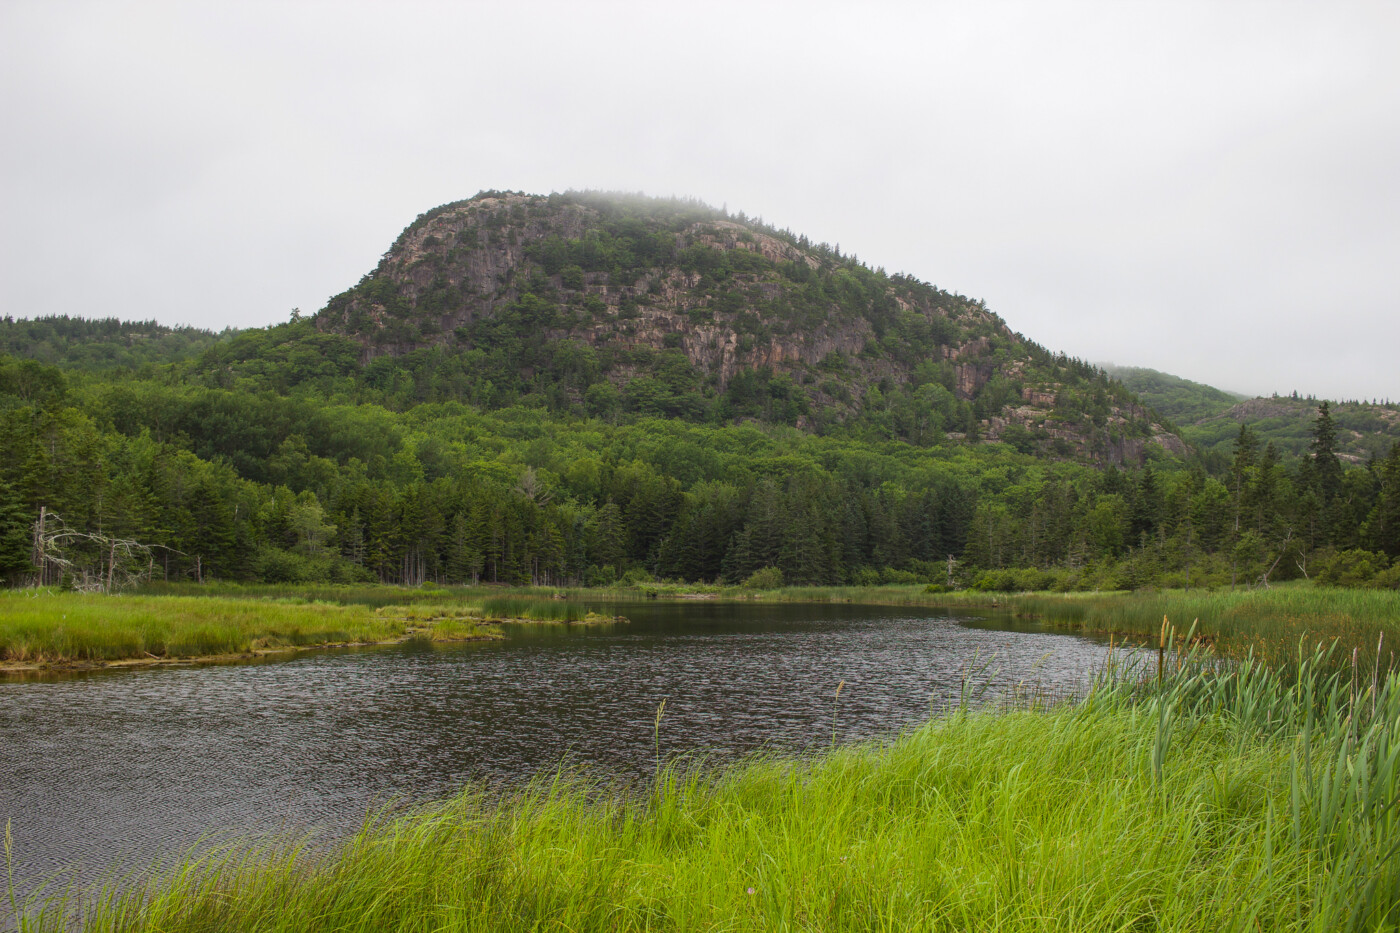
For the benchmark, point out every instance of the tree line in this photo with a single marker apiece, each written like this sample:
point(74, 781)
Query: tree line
point(238, 485)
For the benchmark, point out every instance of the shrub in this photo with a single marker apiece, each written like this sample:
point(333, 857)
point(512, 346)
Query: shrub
point(1388, 578)
point(866, 576)
point(768, 578)
point(1350, 568)
point(890, 575)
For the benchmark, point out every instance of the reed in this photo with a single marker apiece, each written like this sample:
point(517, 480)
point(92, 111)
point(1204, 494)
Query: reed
point(534, 610)
point(1229, 797)
point(1268, 624)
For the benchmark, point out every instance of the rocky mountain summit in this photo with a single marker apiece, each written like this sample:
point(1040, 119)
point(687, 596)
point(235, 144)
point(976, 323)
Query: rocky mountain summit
point(622, 303)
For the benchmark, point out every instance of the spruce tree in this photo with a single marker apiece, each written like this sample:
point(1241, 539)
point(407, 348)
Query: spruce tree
point(14, 534)
point(1383, 525)
point(1147, 508)
point(609, 545)
point(1327, 467)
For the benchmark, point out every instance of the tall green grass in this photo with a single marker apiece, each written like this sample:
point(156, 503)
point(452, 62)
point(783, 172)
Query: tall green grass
point(1221, 799)
point(49, 627)
point(1269, 624)
point(534, 610)
point(362, 594)
point(44, 627)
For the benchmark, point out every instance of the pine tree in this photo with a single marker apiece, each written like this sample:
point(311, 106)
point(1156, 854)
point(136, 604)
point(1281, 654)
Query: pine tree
point(1246, 444)
point(607, 539)
point(14, 534)
point(1383, 525)
point(1327, 468)
point(1147, 508)
point(463, 558)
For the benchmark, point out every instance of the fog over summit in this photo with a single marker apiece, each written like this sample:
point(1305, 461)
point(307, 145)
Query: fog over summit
point(1203, 190)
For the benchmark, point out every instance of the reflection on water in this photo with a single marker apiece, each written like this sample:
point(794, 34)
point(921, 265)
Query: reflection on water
point(129, 765)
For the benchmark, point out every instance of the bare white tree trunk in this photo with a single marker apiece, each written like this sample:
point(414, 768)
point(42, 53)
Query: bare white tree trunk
point(59, 555)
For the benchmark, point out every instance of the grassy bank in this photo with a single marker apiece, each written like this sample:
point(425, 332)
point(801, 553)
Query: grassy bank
point(38, 628)
point(1268, 623)
point(188, 620)
point(1235, 801)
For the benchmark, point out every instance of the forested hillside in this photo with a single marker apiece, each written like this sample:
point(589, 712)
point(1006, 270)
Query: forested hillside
point(584, 389)
point(105, 344)
point(1365, 430)
point(1181, 401)
point(1210, 419)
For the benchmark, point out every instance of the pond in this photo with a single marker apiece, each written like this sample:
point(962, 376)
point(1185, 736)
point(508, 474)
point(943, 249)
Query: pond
point(122, 767)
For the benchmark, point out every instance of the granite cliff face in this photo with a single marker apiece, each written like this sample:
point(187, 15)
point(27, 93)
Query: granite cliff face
point(567, 291)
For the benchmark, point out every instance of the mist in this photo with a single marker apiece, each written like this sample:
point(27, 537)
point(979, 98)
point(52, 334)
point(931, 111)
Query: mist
point(1204, 189)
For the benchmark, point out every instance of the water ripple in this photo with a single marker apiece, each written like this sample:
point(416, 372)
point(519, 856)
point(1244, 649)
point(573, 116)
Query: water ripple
point(128, 766)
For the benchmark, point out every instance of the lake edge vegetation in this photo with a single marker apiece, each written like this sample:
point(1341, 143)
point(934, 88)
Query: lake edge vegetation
point(1200, 798)
point(187, 621)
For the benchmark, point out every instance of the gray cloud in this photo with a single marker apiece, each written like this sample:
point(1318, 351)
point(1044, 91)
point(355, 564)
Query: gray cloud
point(1207, 189)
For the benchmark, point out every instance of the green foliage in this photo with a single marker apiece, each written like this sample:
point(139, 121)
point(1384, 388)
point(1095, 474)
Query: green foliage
point(543, 428)
point(767, 578)
point(1180, 400)
point(102, 345)
point(15, 540)
point(1355, 567)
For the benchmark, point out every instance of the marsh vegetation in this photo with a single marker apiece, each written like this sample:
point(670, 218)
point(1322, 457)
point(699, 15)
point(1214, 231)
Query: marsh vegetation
point(1241, 798)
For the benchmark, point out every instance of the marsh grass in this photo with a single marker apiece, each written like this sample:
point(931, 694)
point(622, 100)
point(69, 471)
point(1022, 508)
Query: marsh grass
point(50, 627)
point(1269, 624)
point(167, 620)
point(534, 610)
point(1229, 798)
point(442, 622)
point(360, 594)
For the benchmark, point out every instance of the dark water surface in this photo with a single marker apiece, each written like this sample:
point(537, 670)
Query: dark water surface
point(126, 766)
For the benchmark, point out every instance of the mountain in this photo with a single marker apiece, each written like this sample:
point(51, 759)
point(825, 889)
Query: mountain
point(600, 303)
point(1209, 418)
point(1365, 430)
point(1179, 400)
point(587, 388)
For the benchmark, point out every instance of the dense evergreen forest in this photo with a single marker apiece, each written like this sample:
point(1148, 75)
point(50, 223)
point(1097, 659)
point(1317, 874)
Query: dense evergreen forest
point(628, 395)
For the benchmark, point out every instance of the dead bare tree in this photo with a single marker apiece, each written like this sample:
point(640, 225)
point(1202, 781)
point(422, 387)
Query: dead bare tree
point(1282, 550)
point(90, 562)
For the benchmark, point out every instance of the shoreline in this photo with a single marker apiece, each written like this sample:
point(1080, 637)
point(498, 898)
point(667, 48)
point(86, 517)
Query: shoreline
point(85, 666)
point(925, 813)
point(489, 631)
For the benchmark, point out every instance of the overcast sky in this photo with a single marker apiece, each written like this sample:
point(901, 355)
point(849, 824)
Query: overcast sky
point(1208, 189)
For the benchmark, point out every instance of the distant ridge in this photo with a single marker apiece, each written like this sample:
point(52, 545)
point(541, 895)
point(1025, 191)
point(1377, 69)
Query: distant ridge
point(1209, 418)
